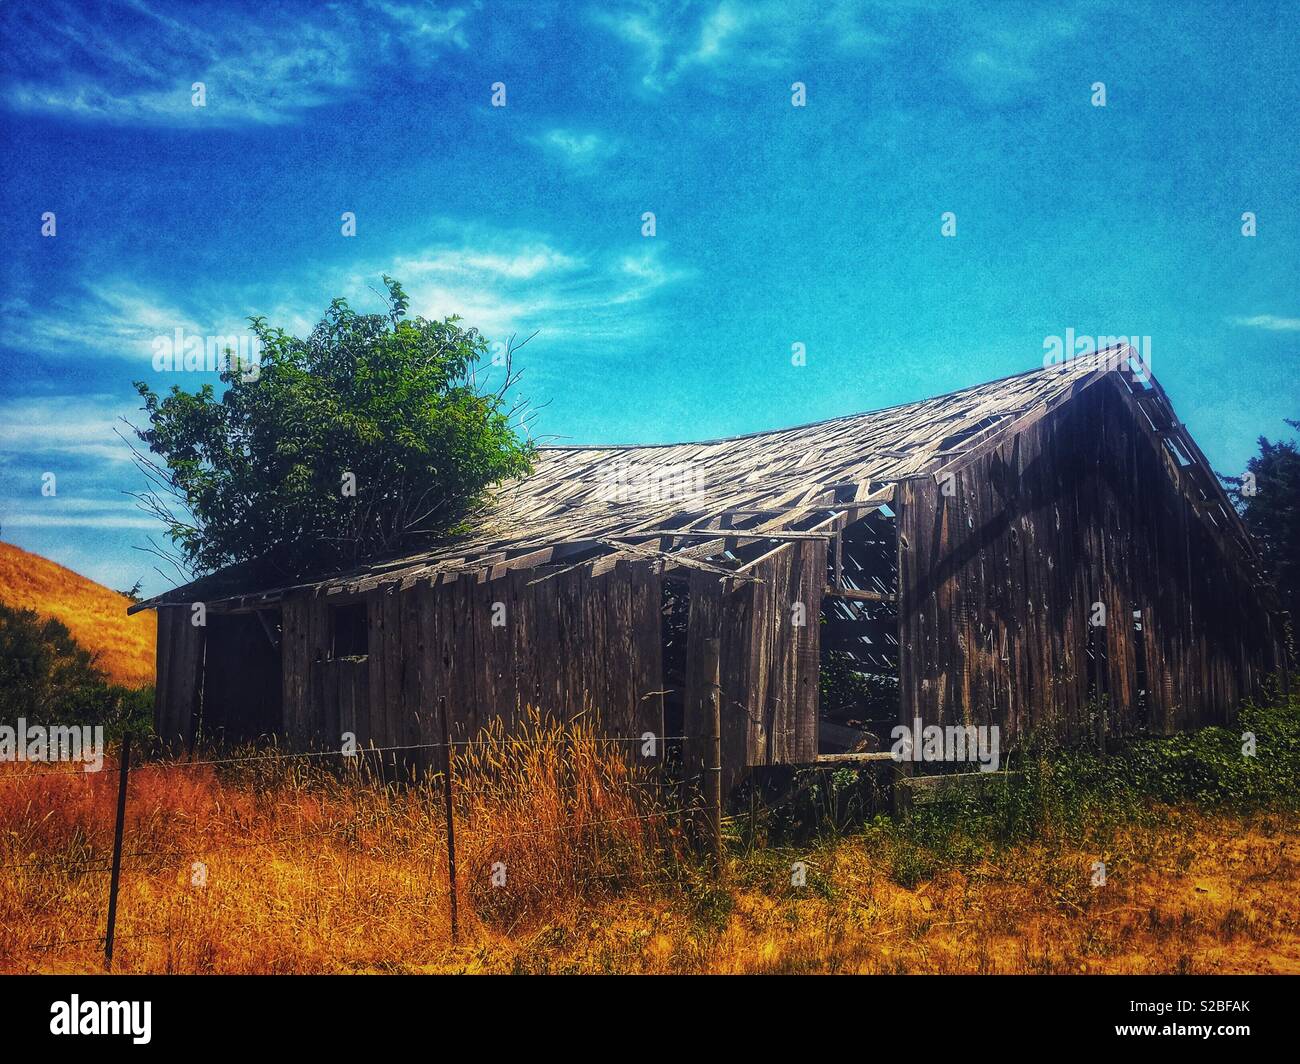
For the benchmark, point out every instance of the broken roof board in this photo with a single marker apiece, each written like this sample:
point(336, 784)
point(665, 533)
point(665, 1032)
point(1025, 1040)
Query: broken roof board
point(764, 484)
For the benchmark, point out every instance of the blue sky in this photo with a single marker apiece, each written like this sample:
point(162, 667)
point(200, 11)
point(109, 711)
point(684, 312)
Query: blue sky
point(776, 224)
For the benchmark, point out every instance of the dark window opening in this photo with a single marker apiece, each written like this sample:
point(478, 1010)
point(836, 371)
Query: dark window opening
point(859, 692)
point(350, 631)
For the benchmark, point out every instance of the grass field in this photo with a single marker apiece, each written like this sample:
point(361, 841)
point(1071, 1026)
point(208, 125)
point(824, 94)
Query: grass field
point(301, 870)
point(94, 615)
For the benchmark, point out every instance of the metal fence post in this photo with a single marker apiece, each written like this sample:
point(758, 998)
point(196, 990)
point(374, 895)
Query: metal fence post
point(451, 818)
point(713, 770)
point(124, 767)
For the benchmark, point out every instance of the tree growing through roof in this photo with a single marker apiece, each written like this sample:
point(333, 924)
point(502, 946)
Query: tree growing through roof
point(1268, 500)
point(371, 435)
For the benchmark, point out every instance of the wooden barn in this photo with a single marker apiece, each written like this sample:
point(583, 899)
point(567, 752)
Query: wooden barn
point(949, 555)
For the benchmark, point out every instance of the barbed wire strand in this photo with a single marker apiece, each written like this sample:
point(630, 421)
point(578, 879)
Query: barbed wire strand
point(361, 751)
point(333, 830)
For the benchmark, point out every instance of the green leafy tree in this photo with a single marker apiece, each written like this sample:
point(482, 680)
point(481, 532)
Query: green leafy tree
point(1269, 503)
point(371, 435)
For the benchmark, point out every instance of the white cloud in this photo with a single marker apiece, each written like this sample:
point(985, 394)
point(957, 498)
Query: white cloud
point(113, 318)
point(580, 150)
point(701, 44)
point(131, 64)
point(67, 425)
point(637, 29)
point(499, 281)
point(519, 263)
point(1002, 62)
point(503, 289)
point(1270, 322)
point(716, 32)
point(730, 37)
point(29, 519)
point(424, 23)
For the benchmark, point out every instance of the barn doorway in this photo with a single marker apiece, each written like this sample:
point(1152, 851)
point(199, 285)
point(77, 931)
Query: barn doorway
point(241, 695)
point(859, 688)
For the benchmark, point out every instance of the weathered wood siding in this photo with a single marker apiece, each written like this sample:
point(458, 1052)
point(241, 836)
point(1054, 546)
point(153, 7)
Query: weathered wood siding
point(998, 580)
point(769, 666)
point(304, 644)
point(570, 644)
point(180, 667)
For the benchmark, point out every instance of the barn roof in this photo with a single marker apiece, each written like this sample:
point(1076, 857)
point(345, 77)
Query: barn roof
point(713, 504)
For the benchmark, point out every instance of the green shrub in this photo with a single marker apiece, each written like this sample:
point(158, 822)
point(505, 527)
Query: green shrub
point(1078, 794)
point(46, 677)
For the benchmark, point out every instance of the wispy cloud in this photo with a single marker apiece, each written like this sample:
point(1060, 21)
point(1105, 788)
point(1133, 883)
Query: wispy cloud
point(129, 62)
point(67, 426)
point(421, 24)
point(510, 282)
point(639, 30)
point(75, 438)
point(998, 63)
point(499, 281)
point(727, 38)
point(114, 319)
point(582, 151)
point(669, 44)
point(1270, 322)
point(515, 263)
point(72, 507)
point(717, 32)
point(32, 518)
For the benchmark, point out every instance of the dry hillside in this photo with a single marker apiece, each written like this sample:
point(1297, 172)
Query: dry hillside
point(95, 615)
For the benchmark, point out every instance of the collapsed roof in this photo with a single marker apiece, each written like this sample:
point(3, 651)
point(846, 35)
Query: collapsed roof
point(718, 504)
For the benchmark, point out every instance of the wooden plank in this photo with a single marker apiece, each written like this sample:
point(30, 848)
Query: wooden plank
point(180, 649)
point(852, 759)
point(496, 624)
point(390, 654)
point(646, 601)
point(295, 657)
point(856, 595)
point(808, 651)
point(935, 789)
point(1086, 512)
point(376, 635)
point(702, 673)
point(471, 713)
point(414, 703)
point(620, 661)
point(777, 711)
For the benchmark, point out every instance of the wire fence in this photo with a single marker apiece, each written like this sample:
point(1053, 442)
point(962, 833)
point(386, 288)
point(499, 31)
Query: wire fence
point(691, 791)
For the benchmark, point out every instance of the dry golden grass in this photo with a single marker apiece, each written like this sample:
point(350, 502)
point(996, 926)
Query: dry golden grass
point(94, 615)
point(309, 872)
